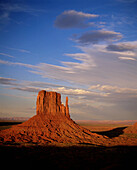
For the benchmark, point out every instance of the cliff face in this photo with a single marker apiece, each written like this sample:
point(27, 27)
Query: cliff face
point(49, 103)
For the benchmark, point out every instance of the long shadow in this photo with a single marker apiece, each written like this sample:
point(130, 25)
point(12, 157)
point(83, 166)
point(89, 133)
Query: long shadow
point(112, 133)
point(9, 123)
point(68, 157)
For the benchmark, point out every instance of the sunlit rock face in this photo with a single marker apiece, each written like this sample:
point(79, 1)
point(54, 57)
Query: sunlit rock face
point(49, 103)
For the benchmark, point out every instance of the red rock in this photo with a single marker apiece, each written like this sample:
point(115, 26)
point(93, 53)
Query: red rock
point(67, 108)
point(52, 124)
point(131, 129)
point(49, 103)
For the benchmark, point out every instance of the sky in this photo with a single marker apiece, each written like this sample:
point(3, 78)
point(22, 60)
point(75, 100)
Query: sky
point(83, 49)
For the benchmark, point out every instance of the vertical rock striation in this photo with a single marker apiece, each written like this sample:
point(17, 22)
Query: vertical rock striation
point(49, 103)
point(67, 108)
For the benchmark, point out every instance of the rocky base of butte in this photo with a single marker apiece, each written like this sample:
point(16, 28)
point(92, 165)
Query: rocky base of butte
point(52, 124)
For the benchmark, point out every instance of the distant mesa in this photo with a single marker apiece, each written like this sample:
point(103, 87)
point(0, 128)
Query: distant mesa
point(131, 129)
point(52, 124)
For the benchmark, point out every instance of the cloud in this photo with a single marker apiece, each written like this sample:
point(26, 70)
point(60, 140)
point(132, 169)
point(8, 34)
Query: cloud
point(7, 55)
point(7, 81)
point(127, 58)
point(7, 9)
point(124, 50)
point(74, 19)
point(118, 103)
point(35, 87)
point(27, 89)
point(64, 73)
point(114, 89)
point(29, 86)
point(79, 92)
point(94, 37)
point(17, 64)
point(93, 65)
point(20, 50)
point(85, 62)
point(98, 102)
point(122, 47)
point(123, 100)
point(120, 53)
point(42, 84)
point(43, 69)
point(14, 7)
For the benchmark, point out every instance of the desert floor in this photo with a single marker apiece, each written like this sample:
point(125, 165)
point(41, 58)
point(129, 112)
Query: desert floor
point(68, 156)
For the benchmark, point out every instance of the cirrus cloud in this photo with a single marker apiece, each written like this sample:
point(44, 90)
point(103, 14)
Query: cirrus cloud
point(7, 81)
point(7, 55)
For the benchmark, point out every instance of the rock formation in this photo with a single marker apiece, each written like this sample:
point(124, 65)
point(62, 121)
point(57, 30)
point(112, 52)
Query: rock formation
point(52, 124)
point(49, 103)
point(131, 129)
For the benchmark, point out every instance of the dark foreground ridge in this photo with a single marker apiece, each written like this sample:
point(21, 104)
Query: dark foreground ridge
point(52, 124)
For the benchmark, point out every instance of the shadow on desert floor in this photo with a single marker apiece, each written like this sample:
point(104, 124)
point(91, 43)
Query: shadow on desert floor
point(68, 157)
point(111, 133)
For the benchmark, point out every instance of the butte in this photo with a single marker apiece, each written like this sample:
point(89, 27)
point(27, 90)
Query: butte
point(51, 124)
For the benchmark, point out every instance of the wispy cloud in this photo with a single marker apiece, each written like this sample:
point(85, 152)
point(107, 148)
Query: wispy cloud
point(7, 81)
point(94, 37)
point(15, 7)
point(35, 87)
point(74, 19)
point(94, 64)
point(127, 58)
point(20, 50)
point(99, 101)
point(27, 89)
point(79, 92)
point(114, 89)
point(17, 64)
point(7, 9)
point(85, 62)
point(124, 50)
point(7, 55)
point(121, 47)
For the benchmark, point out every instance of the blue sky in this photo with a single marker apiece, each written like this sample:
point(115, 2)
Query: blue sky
point(84, 49)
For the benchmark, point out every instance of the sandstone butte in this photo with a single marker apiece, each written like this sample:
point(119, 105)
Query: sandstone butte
point(52, 124)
